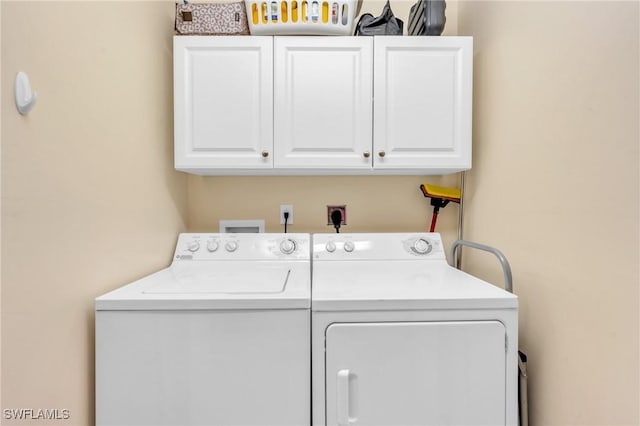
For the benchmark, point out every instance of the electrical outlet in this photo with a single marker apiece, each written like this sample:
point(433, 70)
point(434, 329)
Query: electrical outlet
point(343, 211)
point(286, 208)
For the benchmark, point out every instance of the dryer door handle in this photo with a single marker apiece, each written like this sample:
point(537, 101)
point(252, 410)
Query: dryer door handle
point(345, 394)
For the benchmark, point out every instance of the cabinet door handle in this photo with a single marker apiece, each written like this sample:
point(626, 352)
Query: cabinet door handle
point(381, 153)
point(265, 154)
point(366, 154)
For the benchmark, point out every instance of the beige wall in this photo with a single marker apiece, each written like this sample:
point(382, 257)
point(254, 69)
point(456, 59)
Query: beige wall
point(89, 197)
point(555, 185)
point(392, 203)
point(0, 215)
point(90, 201)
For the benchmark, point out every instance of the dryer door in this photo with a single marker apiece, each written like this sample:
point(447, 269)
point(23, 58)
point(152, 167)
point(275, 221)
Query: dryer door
point(416, 373)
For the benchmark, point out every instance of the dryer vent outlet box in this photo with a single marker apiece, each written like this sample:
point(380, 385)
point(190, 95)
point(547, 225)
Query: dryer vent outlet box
point(241, 226)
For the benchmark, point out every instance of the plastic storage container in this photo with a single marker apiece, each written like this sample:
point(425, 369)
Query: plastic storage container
point(301, 17)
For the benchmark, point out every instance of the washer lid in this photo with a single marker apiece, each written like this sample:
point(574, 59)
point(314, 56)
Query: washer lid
point(203, 278)
point(216, 285)
point(402, 285)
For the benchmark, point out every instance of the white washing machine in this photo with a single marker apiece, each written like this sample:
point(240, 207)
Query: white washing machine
point(401, 338)
point(221, 337)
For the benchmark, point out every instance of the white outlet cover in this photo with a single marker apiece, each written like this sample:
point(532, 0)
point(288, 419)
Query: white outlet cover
point(286, 208)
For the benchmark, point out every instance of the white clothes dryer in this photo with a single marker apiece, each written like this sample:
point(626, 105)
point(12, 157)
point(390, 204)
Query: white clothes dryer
point(221, 337)
point(401, 338)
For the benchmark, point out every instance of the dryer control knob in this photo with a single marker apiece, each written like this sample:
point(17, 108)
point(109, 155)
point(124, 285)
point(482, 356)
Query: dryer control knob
point(231, 246)
point(193, 246)
point(287, 246)
point(421, 246)
point(212, 246)
point(349, 246)
point(330, 247)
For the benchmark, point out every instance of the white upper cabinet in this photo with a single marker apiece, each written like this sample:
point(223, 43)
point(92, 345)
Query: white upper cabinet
point(322, 105)
point(223, 103)
point(422, 108)
point(322, 108)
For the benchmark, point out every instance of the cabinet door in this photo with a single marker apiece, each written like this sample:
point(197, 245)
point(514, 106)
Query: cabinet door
point(322, 105)
point(223, 100)
point(422, 110)
point(416, 373)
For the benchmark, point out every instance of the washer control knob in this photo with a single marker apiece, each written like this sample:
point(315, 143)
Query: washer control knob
point(231, 246)
point(349, 246)
point(212, 246)
point(330, 247)
point(193, 246)
point(287, 246)
point(421, 246)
